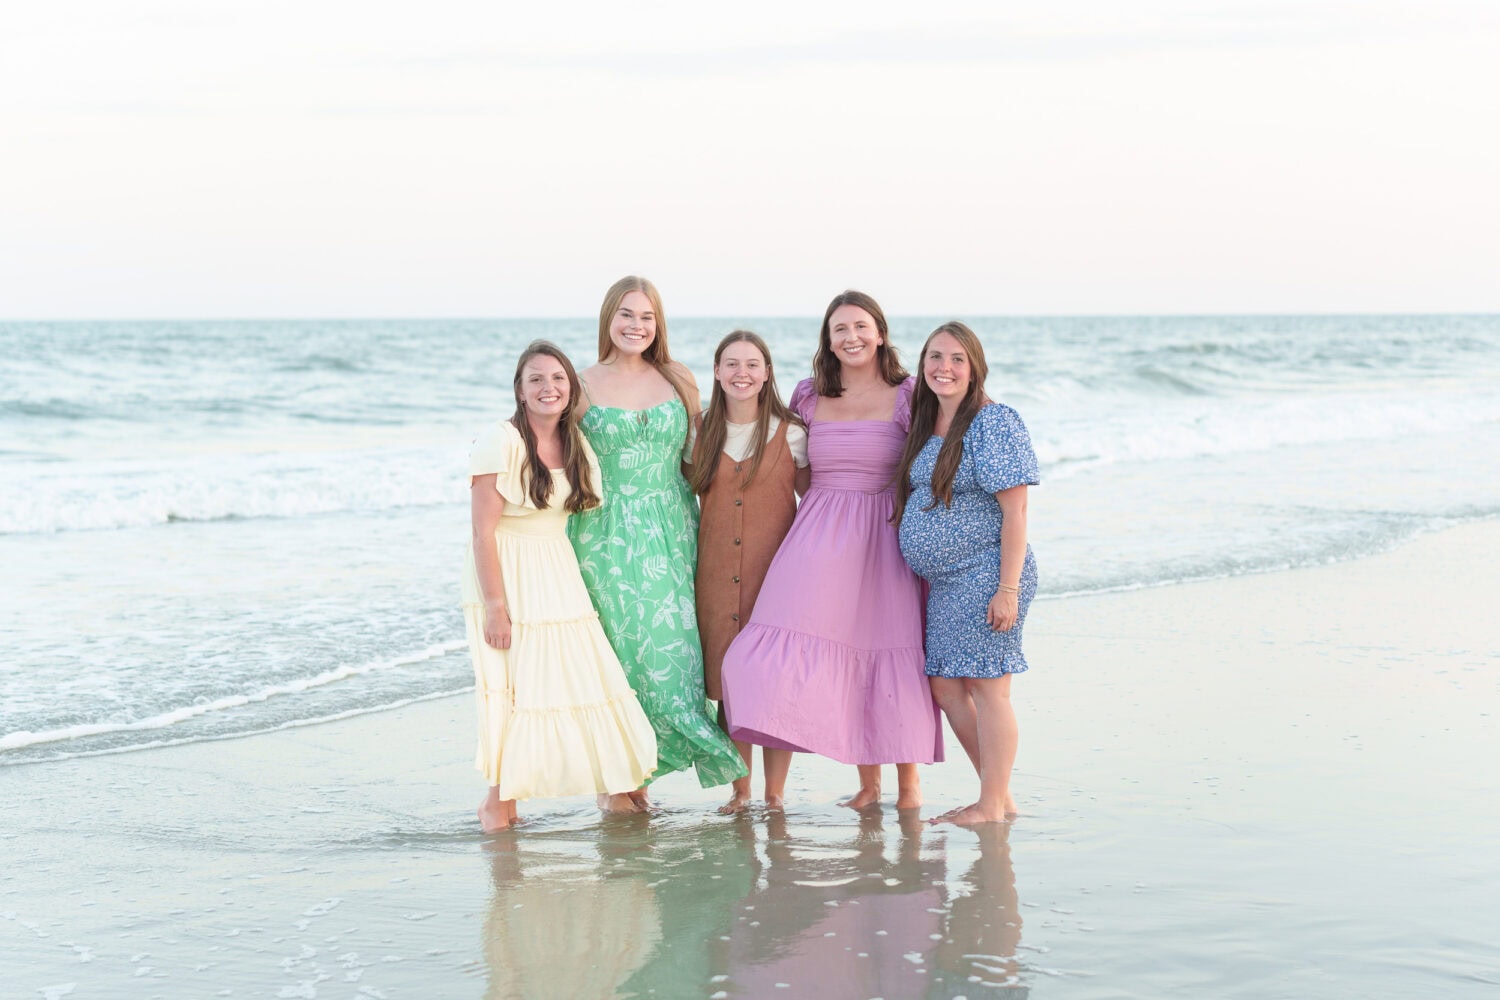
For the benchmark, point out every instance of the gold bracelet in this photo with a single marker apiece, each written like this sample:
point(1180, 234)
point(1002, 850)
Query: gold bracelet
point(1002, 588)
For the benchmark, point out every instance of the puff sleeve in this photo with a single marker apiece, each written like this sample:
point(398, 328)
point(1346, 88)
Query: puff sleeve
point(500, 452)
point(902, 416)
point(804, 401)
point(1000, 447)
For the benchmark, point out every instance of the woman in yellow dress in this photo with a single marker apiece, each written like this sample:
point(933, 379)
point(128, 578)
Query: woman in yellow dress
point(556, 714)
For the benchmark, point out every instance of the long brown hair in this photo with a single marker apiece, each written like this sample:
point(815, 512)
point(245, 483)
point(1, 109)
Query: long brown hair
point(827, 375)
point(537, 477)
point(656, 352)
point(924, 411)
point(715, 429)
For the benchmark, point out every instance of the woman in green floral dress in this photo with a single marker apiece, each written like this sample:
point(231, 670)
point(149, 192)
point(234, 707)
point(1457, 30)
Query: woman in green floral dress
point(638, 549)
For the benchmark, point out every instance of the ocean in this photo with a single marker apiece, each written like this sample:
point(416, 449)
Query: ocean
point(209, 529)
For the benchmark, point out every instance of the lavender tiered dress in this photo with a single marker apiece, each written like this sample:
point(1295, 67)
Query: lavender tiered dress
point(831, 661)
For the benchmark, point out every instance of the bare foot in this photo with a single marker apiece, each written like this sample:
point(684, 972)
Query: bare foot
point(641, 800)
point(1010, 806)
point(618, 803)
point(909, 798)
point(775, 804)
point(495, 816)
point(867, 796)
point(736, 803)
point(972, 816)
point(945, 817)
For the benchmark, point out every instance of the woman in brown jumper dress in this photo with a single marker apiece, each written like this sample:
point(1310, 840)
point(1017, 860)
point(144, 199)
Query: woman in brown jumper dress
point(749, 465)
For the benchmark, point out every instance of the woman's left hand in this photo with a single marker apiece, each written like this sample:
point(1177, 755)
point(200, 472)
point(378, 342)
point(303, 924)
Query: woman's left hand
point(1003, 611)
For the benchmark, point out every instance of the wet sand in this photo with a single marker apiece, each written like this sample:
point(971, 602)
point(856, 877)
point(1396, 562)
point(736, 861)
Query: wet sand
point(1271, 786)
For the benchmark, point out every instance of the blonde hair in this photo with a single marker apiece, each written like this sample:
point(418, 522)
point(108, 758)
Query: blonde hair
point(656, 352)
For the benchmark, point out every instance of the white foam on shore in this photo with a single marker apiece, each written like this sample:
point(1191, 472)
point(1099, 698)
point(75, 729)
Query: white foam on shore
point(45, 498)
point(1083, 436)
point(240, 734)
point(164, 720)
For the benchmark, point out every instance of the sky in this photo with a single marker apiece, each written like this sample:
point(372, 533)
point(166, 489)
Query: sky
point(220, 158)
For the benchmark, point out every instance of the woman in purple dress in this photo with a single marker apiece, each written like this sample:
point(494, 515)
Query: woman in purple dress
point(831, 661)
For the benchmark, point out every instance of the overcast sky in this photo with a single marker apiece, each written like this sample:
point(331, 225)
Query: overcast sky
point(270, 158)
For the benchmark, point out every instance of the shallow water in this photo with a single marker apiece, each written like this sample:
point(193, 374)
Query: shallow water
point(217, 528)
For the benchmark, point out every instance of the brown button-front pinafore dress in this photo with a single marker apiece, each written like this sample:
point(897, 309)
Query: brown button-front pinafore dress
point(735, 549)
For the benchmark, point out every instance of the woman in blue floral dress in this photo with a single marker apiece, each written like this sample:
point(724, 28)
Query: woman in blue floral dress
point(961, 506)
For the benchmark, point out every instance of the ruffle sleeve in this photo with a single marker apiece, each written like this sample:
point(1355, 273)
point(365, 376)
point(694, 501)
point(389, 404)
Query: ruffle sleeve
point(1000, 448)
point(804, 401)
point(902, 416)
point(500, 452)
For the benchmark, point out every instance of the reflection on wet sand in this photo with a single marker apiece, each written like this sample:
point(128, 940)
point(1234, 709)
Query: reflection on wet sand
point(982, 929)
point(702, 871)
point(563, 931)
point(755, 906)
point(835, 916)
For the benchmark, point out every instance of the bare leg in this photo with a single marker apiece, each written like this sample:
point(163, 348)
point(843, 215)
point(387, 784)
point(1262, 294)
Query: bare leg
point(739, 797)
point(998, 738)
point(952, 696)
point(869, 788)
point(777, 763)
point(639, 797)
point(908, 787)
point(496, 814)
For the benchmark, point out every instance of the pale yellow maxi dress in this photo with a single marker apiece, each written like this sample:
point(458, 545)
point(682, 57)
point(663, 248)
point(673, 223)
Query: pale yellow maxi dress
point(556, 714)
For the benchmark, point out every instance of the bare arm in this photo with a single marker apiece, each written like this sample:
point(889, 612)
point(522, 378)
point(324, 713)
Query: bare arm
point(802, 479)
point(694, 403)
point(486, 506)
point(1003, 609)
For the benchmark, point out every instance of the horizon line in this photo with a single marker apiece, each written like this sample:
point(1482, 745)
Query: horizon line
point(593, 319)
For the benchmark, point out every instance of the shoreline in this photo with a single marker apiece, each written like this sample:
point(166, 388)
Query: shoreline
point(1258, 785)
point(1431, 526)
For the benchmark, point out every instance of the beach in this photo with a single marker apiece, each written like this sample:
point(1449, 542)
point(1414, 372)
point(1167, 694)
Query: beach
point(1273, 785)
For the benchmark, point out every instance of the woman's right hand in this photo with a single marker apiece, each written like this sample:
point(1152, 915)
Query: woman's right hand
point(497, 626)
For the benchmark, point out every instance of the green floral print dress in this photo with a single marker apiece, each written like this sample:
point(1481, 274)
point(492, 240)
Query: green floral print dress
point(638, 551)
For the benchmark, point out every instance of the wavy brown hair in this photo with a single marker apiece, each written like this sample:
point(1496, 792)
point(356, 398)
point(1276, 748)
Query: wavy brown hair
point(827, 373)
point(656, 352)
point(715, 429)
point(537, 477)
point(924, 411)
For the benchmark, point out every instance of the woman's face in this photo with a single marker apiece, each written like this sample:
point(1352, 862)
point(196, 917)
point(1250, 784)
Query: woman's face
point(633, 328)
point(544, 387)
point(741, 370)
point(853, 336)
point(945, 368)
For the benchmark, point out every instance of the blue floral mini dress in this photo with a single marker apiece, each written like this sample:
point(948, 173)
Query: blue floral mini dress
point(957, 549)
